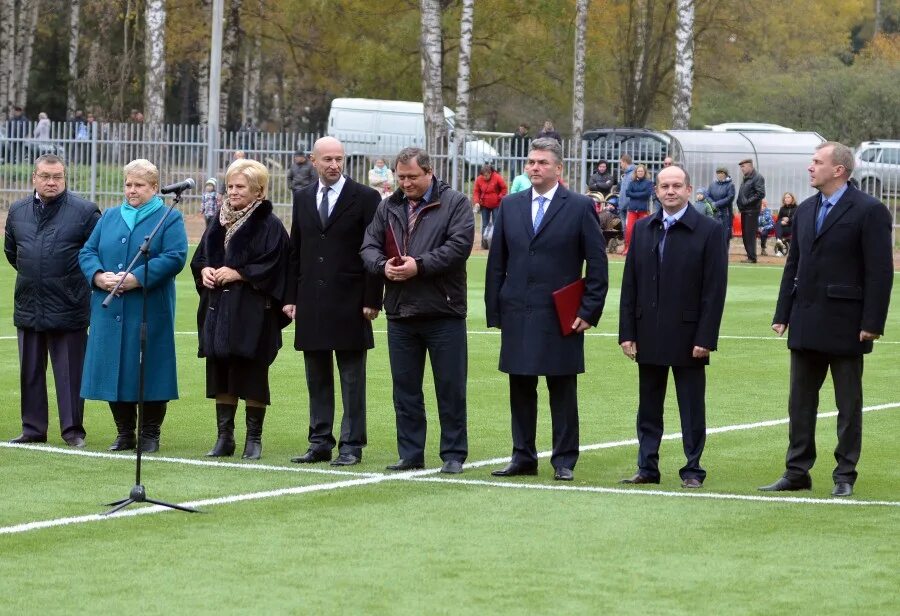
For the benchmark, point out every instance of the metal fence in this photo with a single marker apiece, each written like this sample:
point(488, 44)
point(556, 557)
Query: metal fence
point(96, 153)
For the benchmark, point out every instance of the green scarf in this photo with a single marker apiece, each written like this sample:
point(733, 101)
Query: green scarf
point(133, 215)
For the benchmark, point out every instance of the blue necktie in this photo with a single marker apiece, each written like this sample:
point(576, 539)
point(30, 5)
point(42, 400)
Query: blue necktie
point(668, 221)
point(540, 212)
point(823, 212)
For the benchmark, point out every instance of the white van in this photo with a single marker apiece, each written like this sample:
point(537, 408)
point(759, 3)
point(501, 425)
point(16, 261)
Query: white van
point(372, 127)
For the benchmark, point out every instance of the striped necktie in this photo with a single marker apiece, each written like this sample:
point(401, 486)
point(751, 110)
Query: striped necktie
point(412, 214)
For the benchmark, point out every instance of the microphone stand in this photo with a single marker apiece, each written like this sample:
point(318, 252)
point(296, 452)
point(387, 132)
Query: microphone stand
point(138, 493)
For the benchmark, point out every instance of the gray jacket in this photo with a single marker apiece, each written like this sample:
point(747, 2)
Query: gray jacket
point(300, 176)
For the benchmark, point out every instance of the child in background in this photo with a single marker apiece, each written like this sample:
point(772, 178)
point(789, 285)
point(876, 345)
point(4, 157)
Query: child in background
point(209, 204)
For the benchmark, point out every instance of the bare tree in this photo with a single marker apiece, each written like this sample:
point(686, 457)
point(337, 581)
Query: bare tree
point(581, 10)
point(463, 72)
point(232, 42)
point(432, 79)
point(877, 18)
point(252, 69)
point(7, 54)
point(203, 70)
point(74, 25)
point(155, 62)
point(24, 41)
point(684, 65)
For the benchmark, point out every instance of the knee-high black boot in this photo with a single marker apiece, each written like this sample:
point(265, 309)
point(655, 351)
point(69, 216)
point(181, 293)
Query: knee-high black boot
point(225, 421)
point(253, 444)
point(154, 413)
point(124, 414)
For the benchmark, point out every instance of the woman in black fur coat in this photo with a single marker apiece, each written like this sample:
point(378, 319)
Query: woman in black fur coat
point(240, 271)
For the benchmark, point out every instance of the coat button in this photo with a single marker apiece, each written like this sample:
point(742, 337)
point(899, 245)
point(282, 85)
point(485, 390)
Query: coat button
point(321, 283)
point(530, 253)
point(124, 240)
point(120, 265)
point(321, 259)
point(653, 304)
point(118, 318)
point(322, 237)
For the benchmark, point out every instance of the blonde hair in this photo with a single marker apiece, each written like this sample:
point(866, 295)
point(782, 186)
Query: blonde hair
point(256, 173)
point(638, 168)
point(143, 169)
point(791, 195)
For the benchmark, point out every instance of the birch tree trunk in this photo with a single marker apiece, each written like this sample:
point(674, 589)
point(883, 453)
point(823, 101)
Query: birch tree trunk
point(463, 71)
point(155, 62)
point(7, 54)
point(432, 96)
point(203, 71)
point(230, 46)
point(581, 10)
point(684, 65)
point(253, 70)
point(74, 25)
point(28, 14)
point(877, 30)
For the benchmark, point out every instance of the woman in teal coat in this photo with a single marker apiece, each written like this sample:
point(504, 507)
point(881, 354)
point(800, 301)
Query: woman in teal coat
point(113, 352)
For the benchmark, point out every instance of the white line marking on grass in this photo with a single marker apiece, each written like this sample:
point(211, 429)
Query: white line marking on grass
point(642, 492)
point(187, 461)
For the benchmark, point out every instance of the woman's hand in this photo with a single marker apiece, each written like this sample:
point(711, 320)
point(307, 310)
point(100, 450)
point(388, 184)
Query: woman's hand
point(225, 275)
point(208, 277)
point(130, 281)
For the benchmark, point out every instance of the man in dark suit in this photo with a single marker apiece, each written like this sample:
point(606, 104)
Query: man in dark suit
point(834, 298)
point(673, 295)
point(542, 239)
point(335, 301)
point(44, 233)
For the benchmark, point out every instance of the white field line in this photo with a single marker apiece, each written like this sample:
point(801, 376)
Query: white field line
point(642, 492)
point(423, 475)
point(188, 461)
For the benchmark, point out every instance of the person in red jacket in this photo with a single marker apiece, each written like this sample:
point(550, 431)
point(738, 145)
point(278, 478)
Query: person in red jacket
point(489, 190)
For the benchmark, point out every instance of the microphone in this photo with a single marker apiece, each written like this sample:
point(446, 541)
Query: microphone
point(179, 187)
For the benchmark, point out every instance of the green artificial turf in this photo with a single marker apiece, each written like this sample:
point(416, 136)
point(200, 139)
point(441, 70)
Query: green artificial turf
point(373, 544)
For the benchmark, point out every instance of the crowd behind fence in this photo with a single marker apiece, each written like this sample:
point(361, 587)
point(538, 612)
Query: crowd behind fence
point(95, 154)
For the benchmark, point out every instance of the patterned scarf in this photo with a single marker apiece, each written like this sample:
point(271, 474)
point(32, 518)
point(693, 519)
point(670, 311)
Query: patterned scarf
point(232, 219)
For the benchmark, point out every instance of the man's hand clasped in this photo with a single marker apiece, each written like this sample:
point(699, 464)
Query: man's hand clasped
point(400, 269)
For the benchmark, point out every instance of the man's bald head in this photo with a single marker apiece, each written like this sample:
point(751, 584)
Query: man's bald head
point(328, 159)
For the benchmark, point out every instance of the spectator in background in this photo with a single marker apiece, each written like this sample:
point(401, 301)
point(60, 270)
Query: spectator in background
point(381, 178)
point(626, 168)
point(784, 224)
point(42, 129)
point(703, 205)
point(749, 199)
point(489, 190)
point(549, 132)
point(238, 154)
point(209, 202)
point(721, 193)
point(518, 148)
point(520, 182)
point(667, 162)
point(766, 226)
point(601, 181)
point(44, 233)
point(302, 172)
point(639, 191)
point(16, 128)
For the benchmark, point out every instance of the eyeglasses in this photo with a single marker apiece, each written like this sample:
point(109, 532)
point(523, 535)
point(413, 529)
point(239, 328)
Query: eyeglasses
point(46, 177)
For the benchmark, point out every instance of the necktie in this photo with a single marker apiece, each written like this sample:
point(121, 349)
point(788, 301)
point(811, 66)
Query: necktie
point(411, 215)
point(823, 212)
point(668, 221)
point(540, 212)
point(323, 206)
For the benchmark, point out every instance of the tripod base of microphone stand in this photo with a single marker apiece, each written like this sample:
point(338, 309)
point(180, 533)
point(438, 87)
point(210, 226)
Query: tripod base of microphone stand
point(139, 495)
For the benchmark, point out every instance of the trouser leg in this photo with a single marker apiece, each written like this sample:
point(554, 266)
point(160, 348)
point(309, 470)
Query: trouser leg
point(808, 370)
point(652, 383)
point(564, 415)
point(406, 351)
point(749, 229)
point(352, 370)
point(447, 350)
point(846, 374)
point(320, 385)
point(33, 382)
point(523, 408)
point(690, 388)
point(67, 358)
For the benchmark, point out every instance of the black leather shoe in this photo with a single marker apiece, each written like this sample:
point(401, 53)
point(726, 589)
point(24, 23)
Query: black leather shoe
point(452, 467)
point(346, 459)
point(692, 483)
point(563, 474)
point(75, 441)
point(788, 485)
point(24, 438)
point(312, 456)
point(514, 468)
point(637, 478)
point(405, 465)
point(842, 488)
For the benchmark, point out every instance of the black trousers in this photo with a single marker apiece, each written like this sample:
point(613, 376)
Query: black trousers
point(690, 389)
point(563, 392)
point(445, 342)
point(808, 370)
point(320, 384)
point(749, 229)
point(66, 350)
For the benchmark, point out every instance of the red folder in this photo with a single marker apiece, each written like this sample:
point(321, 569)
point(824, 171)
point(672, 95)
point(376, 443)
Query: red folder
point(391, 245)
point(568, 301)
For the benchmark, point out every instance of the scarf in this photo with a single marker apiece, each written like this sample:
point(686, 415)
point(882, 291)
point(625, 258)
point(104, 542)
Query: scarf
point(232, 219)
point(134, 215)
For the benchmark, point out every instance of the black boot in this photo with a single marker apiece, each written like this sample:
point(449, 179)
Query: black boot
point(253, 444)
point(125, 418)
point(154, 413)
point(225, 421)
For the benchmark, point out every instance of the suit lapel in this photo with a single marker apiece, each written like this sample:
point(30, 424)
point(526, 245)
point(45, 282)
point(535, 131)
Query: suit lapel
point(525, 202)
point(309, 206)
point(837, 211)
point(344, 201)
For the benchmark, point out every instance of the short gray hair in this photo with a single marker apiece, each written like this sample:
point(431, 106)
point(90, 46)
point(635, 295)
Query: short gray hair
point(144, 169)
point(417, 154)
point(840, 155)
point(548, 144)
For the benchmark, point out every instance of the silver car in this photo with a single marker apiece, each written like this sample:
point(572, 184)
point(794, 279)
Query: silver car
point(878, 168)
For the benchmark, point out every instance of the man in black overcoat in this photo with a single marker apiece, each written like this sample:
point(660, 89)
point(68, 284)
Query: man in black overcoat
point(834, 299)
point(334, 301)
point(44, 233)
point(673, 296)
point(542, 239)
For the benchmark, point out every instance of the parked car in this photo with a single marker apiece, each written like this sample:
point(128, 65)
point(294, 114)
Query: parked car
point(877, 167)
point(647, 147)
point(749, 127)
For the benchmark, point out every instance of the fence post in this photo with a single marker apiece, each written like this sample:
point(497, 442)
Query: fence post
point(95, 126)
